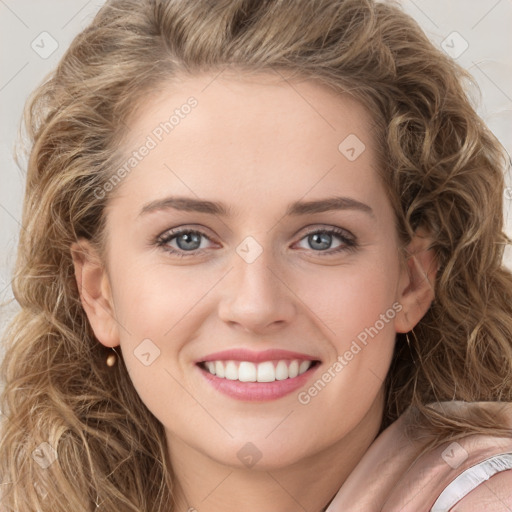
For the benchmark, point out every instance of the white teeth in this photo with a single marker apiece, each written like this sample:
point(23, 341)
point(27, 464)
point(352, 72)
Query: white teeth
point(293, 369)
point(304, 366)
point(246, 371)
point(219, 369)
point(266, 372)
point(231, 371)
point(281, 370)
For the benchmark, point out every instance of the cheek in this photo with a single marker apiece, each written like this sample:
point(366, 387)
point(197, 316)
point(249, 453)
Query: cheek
point(356, 306)
point(348, 299)
point(160, 310)
point(151, 301)
point(152, 308)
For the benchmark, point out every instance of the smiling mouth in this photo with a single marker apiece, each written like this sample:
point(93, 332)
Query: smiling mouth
point(265, 371)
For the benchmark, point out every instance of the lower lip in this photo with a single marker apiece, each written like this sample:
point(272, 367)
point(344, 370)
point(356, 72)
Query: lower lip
point(258, 391)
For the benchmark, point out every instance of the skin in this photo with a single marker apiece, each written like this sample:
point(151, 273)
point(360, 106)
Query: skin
point(256, 145)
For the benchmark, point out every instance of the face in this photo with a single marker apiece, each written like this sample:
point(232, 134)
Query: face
point(253, 269)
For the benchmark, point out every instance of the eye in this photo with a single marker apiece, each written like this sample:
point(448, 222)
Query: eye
point(185, 240)
point(321, 239)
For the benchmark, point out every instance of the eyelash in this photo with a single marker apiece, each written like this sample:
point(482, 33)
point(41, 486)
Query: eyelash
point(350, 244)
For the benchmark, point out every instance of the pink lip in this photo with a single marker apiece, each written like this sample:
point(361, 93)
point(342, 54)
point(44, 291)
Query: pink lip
point(255, 357)
point(257, 391)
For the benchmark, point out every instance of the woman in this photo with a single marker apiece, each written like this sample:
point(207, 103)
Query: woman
point(261, 269)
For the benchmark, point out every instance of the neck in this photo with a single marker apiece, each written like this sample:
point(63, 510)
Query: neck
point(205, 485)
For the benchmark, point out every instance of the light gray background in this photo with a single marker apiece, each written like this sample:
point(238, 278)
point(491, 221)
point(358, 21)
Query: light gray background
point(484, 26)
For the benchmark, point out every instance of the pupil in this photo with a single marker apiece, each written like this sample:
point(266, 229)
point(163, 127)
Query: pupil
point(323, 239)
point(188, 238)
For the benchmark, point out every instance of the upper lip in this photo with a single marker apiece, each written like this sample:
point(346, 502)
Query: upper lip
point(239, 354)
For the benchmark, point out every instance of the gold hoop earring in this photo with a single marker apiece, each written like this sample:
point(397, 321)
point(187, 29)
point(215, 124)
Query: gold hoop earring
point(112, 358)
point(408, 340)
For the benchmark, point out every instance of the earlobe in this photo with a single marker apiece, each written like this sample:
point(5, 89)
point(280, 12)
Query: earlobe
point(95, 292)
point(416, 288)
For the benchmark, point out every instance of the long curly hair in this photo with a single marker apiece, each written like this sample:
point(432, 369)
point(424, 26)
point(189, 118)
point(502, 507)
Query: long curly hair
point(442, 168)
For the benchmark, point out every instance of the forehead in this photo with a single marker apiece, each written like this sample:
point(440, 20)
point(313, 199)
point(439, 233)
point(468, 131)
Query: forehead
point(264, 100)
point(249, 136)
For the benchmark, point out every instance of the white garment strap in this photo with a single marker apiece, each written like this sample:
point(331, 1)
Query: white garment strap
point(471, 478)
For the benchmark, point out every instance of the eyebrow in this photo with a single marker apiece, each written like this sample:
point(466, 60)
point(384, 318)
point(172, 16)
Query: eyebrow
point(297, 208)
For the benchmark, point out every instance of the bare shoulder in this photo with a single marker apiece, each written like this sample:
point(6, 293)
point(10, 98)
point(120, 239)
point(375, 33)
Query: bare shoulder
point(493, 495)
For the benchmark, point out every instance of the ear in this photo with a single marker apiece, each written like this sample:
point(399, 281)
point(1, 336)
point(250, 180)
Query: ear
point(416, 284)
point(95, 292)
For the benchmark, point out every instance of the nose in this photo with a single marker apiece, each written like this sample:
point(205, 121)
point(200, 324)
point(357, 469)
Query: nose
point(256, 296)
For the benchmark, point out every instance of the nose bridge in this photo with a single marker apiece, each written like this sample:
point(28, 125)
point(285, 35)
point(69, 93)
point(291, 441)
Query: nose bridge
point(252, 267)
point(254, 296)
